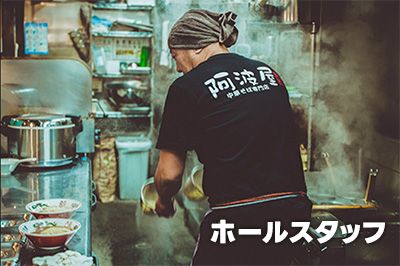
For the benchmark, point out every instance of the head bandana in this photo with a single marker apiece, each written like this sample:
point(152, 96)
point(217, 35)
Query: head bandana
point(199, 28)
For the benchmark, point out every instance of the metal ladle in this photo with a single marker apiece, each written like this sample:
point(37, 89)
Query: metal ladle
point(8, 165)
point(370, 185)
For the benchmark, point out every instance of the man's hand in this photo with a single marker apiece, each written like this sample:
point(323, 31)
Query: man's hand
point(165, 208)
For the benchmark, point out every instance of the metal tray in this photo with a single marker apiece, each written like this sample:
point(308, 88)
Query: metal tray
point(10, 238)
point(9, 223)
point(10, 253)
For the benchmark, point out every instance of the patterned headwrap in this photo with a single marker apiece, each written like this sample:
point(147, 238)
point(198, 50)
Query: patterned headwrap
point(198, 28)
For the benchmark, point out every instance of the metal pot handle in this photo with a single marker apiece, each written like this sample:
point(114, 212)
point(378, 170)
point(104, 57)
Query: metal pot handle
point(5, 121)
point(77, 120)
point(93, 202)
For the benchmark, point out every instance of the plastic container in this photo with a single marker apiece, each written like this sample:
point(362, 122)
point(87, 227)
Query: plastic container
point(133, 163)
point(144, 56)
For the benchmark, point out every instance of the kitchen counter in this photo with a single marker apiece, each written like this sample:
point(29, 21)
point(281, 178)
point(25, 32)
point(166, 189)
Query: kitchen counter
point(73, 181)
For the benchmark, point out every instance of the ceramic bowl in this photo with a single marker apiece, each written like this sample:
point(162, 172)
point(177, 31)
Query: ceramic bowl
point(53, 208)
point(50, 233)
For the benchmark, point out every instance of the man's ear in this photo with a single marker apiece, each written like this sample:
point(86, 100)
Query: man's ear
point(198, 51)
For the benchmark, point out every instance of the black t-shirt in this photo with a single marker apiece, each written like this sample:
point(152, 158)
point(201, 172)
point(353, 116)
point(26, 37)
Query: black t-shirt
point(235, 113)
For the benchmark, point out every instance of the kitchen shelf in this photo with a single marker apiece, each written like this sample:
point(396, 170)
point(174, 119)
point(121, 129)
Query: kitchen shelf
point(122, 34)
point(138, 71)
point(143, 35)
point(123, 7)
point(118, 114)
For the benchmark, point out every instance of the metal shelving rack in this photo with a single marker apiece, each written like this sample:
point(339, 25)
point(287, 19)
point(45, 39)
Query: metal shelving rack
point(121, 6)
point(135, 72)
point(138, 71)
point(122, 34)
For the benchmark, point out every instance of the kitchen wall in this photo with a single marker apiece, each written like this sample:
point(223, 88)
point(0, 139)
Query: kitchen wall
point(62, 18)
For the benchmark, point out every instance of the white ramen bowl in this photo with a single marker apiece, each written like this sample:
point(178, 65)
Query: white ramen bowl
point(53, 208)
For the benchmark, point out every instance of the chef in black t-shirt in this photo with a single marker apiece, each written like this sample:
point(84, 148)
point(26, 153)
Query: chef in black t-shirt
point(234, 112)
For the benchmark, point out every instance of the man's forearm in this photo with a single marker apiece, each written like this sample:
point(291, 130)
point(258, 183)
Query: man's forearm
point(167, 188)
point(168, 176)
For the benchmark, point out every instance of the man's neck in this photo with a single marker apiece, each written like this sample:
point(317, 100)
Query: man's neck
point(214, 49)
point(211, 50)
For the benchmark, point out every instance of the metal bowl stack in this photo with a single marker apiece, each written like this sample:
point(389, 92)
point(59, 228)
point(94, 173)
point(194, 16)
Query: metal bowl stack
point(123, 93)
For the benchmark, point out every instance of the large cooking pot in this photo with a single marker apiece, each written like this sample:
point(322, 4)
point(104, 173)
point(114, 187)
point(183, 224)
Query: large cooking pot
point(49, 138)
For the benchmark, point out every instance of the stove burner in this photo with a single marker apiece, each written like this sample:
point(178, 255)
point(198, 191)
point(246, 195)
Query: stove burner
point(327, 199)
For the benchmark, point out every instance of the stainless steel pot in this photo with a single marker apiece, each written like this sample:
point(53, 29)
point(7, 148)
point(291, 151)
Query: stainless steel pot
point(48, 138)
